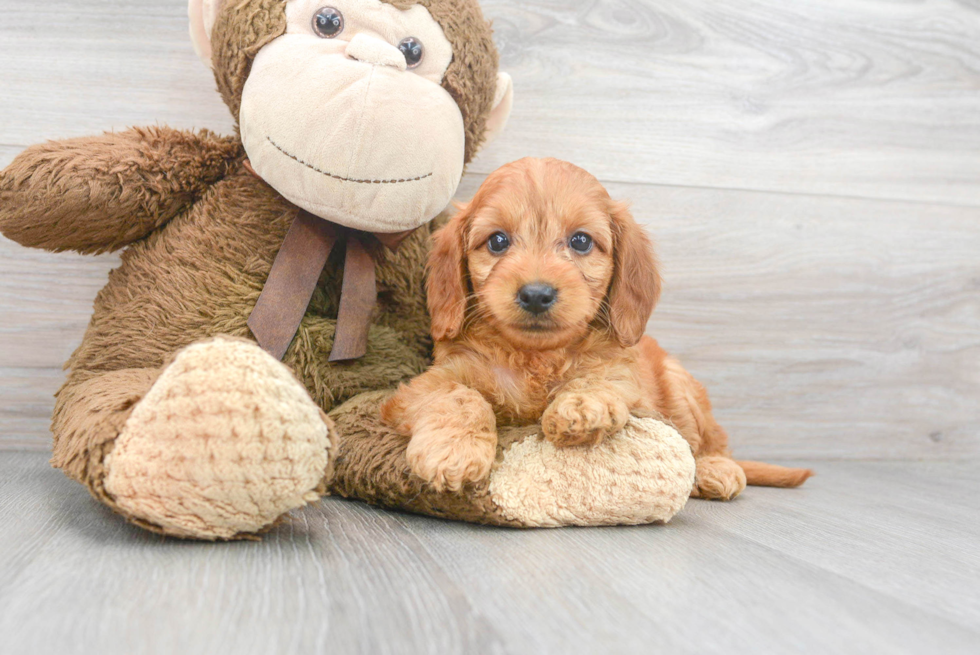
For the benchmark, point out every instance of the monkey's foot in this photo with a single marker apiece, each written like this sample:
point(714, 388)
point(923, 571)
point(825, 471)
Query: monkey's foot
point(224, 443)
point(717, 478)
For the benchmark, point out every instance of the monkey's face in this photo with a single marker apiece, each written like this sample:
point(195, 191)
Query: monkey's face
point(345, 115)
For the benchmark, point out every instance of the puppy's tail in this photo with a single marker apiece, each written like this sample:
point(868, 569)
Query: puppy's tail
point(759, 474)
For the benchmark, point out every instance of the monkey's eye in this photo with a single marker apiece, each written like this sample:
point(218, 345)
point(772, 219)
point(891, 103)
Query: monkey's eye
point(328, 22)
point(498, 243)
point(581, 243)
point(413, 51)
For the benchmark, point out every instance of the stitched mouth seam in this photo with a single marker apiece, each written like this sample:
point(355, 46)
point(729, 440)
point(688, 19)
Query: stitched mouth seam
point(344, 179)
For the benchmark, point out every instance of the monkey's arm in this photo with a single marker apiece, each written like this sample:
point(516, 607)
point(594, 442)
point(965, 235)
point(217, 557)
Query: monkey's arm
point(96, 194)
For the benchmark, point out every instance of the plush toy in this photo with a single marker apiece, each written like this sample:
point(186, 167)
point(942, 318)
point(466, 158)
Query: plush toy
point(302, 239)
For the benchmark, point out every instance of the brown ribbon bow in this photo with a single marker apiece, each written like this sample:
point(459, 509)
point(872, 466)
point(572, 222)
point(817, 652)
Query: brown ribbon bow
point(295, 272)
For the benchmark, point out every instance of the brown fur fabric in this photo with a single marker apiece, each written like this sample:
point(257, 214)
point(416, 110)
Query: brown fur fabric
point(243, 27)
point(88, 417)
point(199, 276)
point(100, 193)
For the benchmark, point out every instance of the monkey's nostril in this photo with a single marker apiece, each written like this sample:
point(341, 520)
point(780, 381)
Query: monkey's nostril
point(537, 298)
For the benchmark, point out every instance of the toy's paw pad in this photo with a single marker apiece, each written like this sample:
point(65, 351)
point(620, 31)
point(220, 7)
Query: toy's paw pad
point(717, 478)
point(642, 474)
point(224, 443)
point(449, 459)
point(583, 419)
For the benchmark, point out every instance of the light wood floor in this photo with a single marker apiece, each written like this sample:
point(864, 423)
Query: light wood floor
point(810, 171)
point(873, 557)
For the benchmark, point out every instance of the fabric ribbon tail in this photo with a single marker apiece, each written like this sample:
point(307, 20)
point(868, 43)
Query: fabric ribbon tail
point(287, 293)
point(358, 297)
point(293, 279)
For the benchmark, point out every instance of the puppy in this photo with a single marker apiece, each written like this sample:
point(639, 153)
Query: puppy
point(540, 291)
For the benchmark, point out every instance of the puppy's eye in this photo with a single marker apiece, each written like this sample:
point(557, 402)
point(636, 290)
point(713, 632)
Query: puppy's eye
point(328, 23)
point(581, 243)
point(413, 51)
point(498, 243)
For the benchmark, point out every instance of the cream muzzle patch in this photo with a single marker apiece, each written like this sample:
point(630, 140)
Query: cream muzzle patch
point(391, 164)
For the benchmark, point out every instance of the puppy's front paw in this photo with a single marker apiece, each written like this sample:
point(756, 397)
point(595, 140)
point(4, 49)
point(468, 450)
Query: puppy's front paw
point(584, 419)
point(717, 478)
point(448, 459)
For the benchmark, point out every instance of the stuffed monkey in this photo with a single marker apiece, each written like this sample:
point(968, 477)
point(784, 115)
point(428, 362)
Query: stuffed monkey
point(269, 277)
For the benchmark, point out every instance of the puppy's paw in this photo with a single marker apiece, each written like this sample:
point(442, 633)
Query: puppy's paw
point(584, 419)
point(394, 412)
point(448, 459)
point(717, 478)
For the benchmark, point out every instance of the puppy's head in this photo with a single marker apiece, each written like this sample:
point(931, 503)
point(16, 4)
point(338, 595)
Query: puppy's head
point(542, 253)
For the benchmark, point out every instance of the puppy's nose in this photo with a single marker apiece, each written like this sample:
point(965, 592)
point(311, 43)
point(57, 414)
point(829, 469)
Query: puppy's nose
point(536, 297)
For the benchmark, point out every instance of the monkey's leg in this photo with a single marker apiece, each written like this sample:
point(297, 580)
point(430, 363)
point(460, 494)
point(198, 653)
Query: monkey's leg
point(219, 444)
point(393, 356)
point(95, 194)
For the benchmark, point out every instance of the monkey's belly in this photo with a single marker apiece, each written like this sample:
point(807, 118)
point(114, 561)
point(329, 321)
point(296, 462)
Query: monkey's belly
point(200, 276)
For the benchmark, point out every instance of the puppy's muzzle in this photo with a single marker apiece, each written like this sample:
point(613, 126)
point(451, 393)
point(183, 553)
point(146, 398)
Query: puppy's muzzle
point(537, 298)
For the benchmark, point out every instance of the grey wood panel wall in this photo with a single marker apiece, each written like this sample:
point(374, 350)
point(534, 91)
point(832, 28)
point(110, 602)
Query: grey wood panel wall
point(862, 98)
point(811, 171)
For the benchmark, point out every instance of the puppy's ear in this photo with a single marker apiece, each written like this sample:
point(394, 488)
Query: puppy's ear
point(446, 284)
point(635, 287)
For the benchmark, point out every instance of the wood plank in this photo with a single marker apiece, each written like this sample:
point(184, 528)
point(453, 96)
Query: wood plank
point(118, 64)
point(7, 154)
point(826, 568)
point(46, 300)
point(28, 401)
point(45, 306)
point(850, 97)
point(859, 505)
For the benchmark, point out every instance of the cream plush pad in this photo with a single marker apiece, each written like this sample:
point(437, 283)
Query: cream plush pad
point(221, 401)
point(643, 474)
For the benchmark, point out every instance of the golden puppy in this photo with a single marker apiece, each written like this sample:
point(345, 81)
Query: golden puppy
point(540, 291)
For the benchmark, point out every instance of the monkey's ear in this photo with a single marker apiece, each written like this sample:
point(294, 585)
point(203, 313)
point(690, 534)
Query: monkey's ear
point(503, 102)
point(203, 14)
